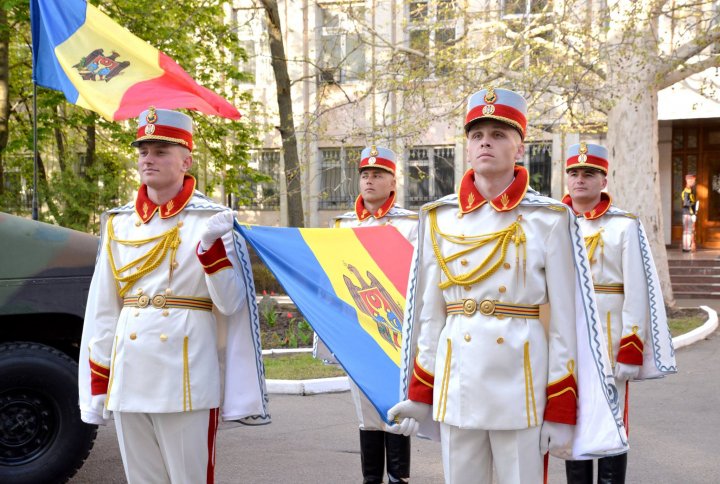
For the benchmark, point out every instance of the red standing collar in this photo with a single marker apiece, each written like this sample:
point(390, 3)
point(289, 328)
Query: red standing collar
point(597, 211)
point(146, 208)
point(470, 199)
point(363, 213)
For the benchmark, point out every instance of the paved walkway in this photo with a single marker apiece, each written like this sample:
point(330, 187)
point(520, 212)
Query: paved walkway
point(313, 439)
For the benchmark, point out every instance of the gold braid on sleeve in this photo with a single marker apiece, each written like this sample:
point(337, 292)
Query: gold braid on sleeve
point(514, 233)
point(166, 242)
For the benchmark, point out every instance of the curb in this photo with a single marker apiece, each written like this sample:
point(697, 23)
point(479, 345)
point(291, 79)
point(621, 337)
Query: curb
point(699, 333)
point(342, 384)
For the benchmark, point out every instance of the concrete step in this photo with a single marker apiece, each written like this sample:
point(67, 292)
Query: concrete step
point(695, 278)
point(694, 262)
point(694, 271)
point(696, 288)
point(695, 295)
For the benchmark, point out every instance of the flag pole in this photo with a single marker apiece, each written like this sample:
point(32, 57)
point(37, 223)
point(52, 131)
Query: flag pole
point(35, 155)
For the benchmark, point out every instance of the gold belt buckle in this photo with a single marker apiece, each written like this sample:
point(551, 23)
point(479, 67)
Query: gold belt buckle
point(469, 307)
point(143, 301)
point(487, 307)
point(158, 301)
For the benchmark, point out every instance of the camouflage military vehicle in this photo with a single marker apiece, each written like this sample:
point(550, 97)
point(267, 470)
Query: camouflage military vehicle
point(45, 274)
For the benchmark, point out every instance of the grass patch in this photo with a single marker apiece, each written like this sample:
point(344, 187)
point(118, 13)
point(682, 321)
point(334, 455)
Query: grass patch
point(683, 324)
point(298, 366)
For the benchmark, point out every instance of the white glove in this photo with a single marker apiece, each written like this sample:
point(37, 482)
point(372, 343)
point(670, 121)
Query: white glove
point(408, 414)
point(557, 438)
point(217, 226)
point(98, 414)
point(624, 372)
point(693, 218)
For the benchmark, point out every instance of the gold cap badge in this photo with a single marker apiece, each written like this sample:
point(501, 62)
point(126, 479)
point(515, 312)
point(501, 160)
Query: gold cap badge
point(488, 110)
point(490, 96)
point(582, 158)
point(151, 117)
point(373, 151)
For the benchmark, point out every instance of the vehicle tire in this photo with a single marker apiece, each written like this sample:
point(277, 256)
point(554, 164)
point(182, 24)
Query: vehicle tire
point(42, 438)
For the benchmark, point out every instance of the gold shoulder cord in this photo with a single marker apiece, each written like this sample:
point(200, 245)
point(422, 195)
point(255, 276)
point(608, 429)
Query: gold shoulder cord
point(591, 243)
point(513, 233)
point(166, 242)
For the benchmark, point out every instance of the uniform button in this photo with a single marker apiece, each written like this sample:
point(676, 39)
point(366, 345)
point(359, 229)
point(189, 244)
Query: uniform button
point(467, 288)
point(181, 223)
point(175, 264)
point(136, 313)
point(500, 340)
point(133, 336)
point(464, 262)
point(468, 337)
point(506, 265)
point(165, 312)
point(459, 215)
point(163, 338)
point(168, 291)
point(502, 289)
point(500, 316)
point(139, 292)
point(593, 260)
point(138, 223)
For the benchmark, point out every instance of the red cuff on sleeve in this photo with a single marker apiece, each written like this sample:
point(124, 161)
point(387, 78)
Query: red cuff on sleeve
point(562, 401)
point(215, 258)
point(421, 385)
point(631, 350)
point(99, 377)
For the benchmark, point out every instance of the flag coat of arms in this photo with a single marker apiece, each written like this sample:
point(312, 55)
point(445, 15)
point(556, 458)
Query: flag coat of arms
point(350, 284)
point(101, 66)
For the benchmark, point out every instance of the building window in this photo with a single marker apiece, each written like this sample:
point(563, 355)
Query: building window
point(339, 177)
point(431, 174)
point(523, 7)
point(342, 51)
point(432, 29)
point(266, 193)
point(18, 196)
point(538, 160)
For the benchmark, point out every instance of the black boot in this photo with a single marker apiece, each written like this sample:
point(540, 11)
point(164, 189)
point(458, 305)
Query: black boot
point(372, 456)
point(611, 470)
point(579, 471)
point(398, 457)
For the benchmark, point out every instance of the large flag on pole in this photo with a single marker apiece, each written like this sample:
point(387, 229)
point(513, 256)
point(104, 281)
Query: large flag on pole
point(350, 285)
point(101, 66)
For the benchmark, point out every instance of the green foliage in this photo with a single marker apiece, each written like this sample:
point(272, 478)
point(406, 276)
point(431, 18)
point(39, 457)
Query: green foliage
point(268, 311)
point(298, 367)
point(79, 182)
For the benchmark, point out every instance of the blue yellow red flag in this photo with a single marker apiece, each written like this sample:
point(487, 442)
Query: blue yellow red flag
point(350, 285)
point(102, 66)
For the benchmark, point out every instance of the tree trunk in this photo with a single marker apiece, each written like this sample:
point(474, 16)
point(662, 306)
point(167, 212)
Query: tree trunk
point(89, 150)
point(287, 123)
point(632, 136)
point(4, 91)
point(59, 141)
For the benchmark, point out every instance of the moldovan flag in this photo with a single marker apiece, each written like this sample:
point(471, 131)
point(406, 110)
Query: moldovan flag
point(101, 66)
point(350, 285)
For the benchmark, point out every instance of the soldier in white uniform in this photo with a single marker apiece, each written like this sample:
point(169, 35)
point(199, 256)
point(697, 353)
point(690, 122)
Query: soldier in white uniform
point(613, 240)
point(167, 309)
point(502, 388)
point(376, 206)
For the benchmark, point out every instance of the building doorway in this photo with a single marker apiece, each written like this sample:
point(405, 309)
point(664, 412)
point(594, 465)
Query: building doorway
point(696, 149)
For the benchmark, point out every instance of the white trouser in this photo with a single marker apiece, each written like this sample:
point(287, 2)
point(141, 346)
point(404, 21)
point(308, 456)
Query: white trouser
point(469, 455)
point(367, 414)
point(175, 448)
